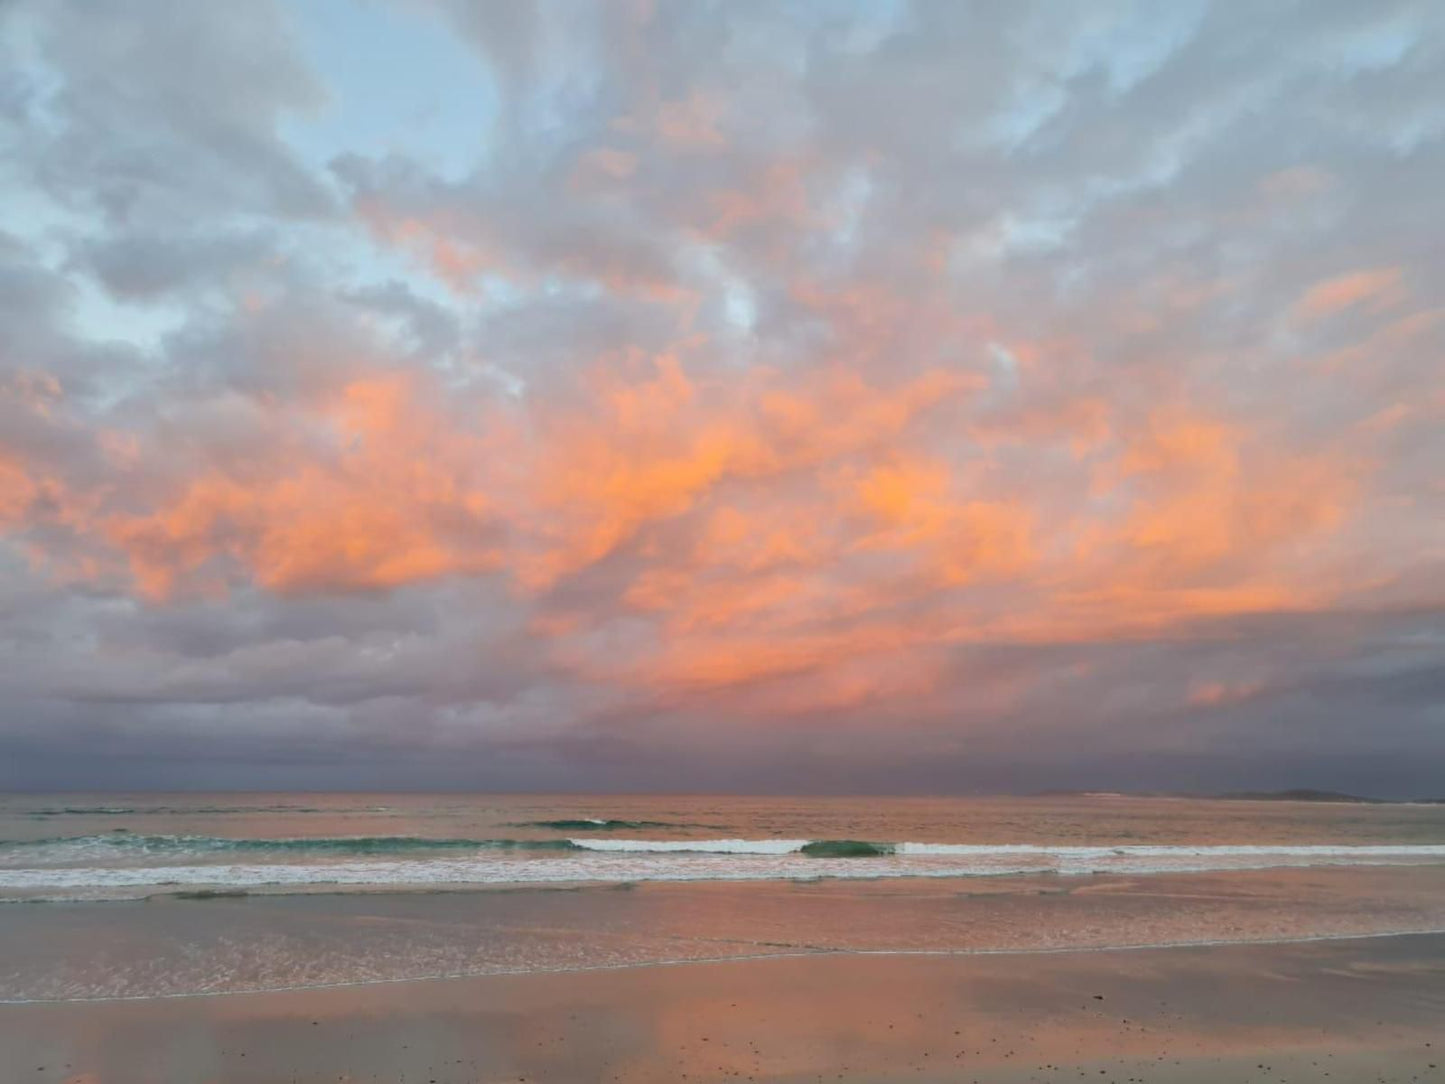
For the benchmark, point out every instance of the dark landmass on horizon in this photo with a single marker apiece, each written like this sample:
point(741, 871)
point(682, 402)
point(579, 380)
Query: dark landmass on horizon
point(1298, 794)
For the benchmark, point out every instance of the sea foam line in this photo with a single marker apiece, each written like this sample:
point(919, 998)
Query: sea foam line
point(61, 847)
point(678, 865)
point(1068, 851)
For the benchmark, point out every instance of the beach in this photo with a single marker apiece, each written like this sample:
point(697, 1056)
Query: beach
point(618, 542)
point(218, 939)
point(1366, 1009)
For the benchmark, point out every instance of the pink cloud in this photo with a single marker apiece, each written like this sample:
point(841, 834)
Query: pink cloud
point(1375, 289)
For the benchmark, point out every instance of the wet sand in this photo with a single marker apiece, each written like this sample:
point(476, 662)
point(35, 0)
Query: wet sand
point(1370, 1009)
point(172, 945)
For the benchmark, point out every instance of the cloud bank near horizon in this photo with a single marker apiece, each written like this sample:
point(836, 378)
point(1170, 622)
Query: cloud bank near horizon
point(784, 396)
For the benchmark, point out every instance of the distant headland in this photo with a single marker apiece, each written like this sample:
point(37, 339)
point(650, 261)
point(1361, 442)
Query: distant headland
point(1297, 794)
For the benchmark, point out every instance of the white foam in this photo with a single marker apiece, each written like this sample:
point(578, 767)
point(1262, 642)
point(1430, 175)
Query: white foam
point(671, 861)
point(1313, 850)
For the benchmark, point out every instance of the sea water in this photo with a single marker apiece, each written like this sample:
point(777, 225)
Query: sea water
point(118, 896)
point(116, 846)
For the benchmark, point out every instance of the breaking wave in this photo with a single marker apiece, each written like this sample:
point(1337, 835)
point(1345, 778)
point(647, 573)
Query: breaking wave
point(123, 864)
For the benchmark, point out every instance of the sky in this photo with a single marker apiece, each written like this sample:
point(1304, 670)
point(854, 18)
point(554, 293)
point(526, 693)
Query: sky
point(793, 396)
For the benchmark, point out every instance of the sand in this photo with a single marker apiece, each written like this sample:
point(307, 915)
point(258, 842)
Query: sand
point(1370, 1009)
point(172, 945)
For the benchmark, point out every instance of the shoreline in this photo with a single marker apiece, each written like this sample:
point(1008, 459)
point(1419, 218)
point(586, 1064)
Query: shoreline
point(1174, 1015)
point(177, 948)
point(642, 965)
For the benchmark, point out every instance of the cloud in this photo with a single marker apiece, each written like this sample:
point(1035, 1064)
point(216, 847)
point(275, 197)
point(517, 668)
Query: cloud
point(144, 118)
point(1377, 289)
point(945, 393)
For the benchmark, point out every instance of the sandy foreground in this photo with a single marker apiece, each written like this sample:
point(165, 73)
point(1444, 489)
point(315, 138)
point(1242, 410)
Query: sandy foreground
point(1367, 1009)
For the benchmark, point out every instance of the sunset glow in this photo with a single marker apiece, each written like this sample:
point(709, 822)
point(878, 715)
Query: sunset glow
point(679, 390)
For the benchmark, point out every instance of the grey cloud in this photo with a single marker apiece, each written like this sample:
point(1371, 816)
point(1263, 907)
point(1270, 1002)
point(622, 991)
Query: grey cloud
point(1147, 195)
point(148, 266)
point(167, 111)
point(435, 330)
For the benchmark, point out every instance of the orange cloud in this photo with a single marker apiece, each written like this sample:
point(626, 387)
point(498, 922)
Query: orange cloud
point(1215, 693)
point(723, 661)
point(386, 501)
point(1378, 287)
point(757, 540)
point(18, 490)
point(962, 540)
point(1210, 493)
point(816, 536)
point(653, 448)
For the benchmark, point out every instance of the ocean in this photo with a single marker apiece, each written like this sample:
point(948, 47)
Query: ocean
point(94, 847)
point(163, 895)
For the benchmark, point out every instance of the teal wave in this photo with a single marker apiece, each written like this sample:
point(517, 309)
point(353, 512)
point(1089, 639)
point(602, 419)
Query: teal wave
point(339, 845)
point(846, 848)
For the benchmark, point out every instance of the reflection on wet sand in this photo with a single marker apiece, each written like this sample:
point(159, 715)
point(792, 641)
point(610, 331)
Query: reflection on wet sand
point(1263, 1013)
